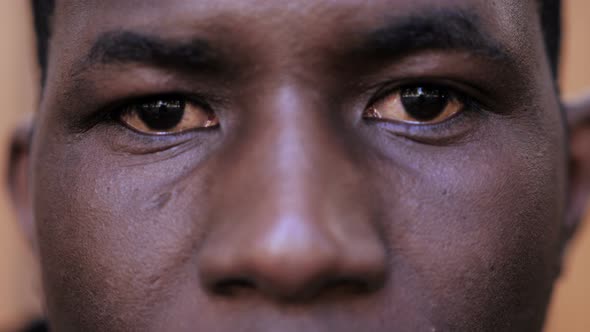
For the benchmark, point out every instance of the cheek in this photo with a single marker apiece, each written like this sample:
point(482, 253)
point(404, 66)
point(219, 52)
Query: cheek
point(113, 243)
point(476, 232)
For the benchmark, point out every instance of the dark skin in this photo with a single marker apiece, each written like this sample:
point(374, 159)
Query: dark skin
point(301, 190)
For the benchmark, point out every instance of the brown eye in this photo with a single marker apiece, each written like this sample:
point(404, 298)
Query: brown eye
point(417, 105)
point(167, 116)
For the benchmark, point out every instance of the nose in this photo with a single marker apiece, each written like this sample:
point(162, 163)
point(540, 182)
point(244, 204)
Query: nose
point(291, 218)
point(292, 261)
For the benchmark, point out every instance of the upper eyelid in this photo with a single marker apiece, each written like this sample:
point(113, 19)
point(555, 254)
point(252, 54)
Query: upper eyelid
point(171, 96)
point(463, 91)
point(386, 91)
point(380, 91)
point(114, 112)
point(117, 117)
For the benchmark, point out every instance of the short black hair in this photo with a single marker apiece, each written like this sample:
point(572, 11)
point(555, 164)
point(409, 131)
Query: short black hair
point(42, 13)
point(550, 14)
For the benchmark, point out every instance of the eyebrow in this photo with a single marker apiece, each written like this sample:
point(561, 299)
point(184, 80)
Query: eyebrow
point(456, 30)
point(120, 47)
point(436, 30)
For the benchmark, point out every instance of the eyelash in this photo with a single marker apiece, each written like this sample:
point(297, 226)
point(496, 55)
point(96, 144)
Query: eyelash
point(384, 90)
point(444, 132)
point(111, 114)
point(472, 106)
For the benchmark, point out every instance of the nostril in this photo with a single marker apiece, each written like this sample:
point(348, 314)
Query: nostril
point(233, 286)
point(329, 290)
point(350, 286)
point(296, 262)
point(346, 287)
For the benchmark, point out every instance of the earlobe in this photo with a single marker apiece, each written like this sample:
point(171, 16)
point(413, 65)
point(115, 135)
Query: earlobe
point(18, 179)
point(578, 116)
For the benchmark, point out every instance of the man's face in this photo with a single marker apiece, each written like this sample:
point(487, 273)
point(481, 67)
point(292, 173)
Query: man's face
point(298, 166)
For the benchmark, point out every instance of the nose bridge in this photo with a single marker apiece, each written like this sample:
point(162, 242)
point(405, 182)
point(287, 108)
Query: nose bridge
point(291, 152)
point(302, 149)
point(288, 221)
point(298, 164)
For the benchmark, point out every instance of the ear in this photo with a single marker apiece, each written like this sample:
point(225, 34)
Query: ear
point(578, 117)
point(18, 179)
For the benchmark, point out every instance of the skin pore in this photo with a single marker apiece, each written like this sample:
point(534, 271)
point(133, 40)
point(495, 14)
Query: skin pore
point(269, 166)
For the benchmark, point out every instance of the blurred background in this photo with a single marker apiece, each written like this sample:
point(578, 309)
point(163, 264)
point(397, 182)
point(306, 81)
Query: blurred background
point(19, 285)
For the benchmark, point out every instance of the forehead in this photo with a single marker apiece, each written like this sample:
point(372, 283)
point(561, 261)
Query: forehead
point(510, 21)
point(289, 33)
point(282, 9)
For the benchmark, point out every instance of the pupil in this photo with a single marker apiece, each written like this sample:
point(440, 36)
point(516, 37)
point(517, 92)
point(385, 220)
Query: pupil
point(424, 103)
point(162, 114)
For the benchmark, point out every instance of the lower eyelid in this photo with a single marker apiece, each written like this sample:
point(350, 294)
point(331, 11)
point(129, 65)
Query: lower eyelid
point(451, 130)
point(141, 152)
point(132, 136)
